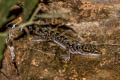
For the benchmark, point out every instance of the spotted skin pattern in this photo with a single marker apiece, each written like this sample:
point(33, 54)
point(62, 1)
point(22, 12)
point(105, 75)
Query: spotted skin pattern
point(71, 46)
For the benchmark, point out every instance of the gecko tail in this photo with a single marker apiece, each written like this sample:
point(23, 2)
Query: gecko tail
point(90, 54)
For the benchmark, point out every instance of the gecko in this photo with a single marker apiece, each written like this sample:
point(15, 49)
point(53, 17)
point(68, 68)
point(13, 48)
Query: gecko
point(45, 33)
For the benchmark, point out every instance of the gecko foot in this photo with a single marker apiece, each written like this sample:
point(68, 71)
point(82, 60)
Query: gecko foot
point(66, 57)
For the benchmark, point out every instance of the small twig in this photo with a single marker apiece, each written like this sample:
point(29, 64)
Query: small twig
point(54, 15)
point(25, 24)
point(35, 13)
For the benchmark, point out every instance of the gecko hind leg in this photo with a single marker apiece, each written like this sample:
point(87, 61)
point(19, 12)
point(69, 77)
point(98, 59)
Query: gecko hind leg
point(66, 56)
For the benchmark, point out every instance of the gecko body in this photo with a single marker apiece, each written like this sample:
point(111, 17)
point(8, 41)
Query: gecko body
point(71, 46)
